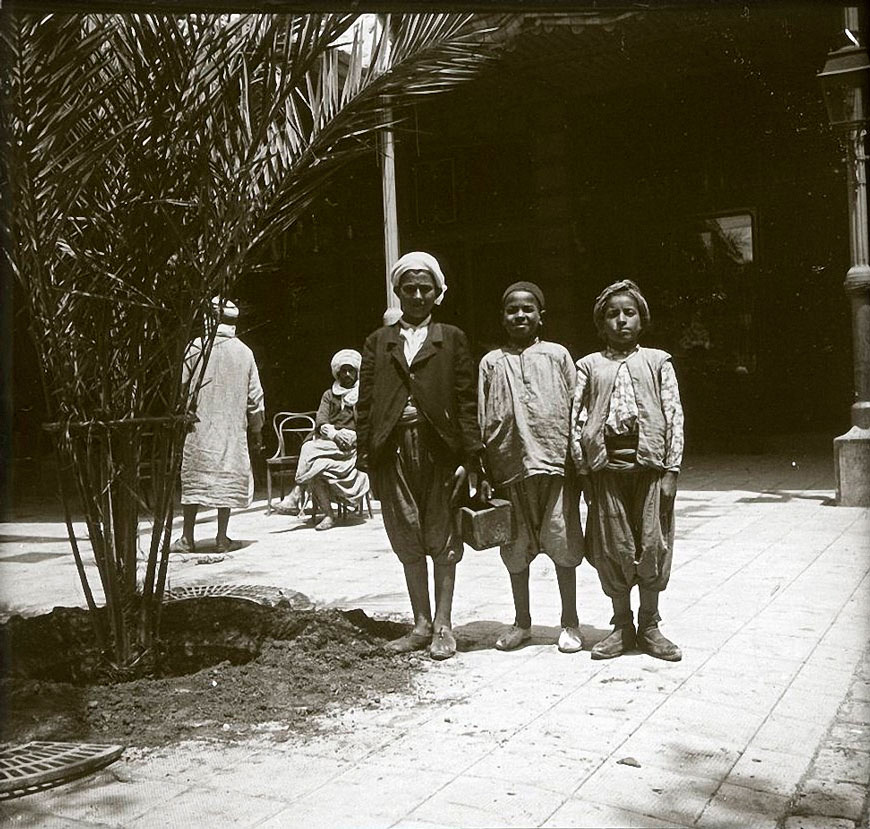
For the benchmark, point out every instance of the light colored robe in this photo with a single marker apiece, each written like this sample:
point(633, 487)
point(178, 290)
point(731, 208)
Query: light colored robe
point(216, 466)
point(524, 409)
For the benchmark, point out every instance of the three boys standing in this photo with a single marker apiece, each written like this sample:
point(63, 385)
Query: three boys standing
point(616, 418)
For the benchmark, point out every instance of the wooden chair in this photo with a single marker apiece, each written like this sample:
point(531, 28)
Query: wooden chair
point(365, 503)
point(342, 508)
point(291, 429)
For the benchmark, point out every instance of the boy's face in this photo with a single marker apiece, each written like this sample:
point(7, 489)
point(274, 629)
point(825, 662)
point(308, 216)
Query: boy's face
point(622, 322)
point(346, 376)
point(521, 316)
point(417, 294)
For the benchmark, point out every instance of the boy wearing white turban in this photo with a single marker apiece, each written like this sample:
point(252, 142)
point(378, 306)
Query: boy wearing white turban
point(418, 435)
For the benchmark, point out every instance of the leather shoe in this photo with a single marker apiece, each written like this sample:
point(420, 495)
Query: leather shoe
point(412, 641)
point(512, 638)
point(443, 644)
point(650, 640)
point(570, 641)
point(622, 639)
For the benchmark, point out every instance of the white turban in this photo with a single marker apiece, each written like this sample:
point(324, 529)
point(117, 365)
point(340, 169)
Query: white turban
point(345, 357)
point(224, 308)
point(418, 260)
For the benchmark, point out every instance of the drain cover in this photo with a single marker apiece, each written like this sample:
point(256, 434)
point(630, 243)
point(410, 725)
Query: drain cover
point(259, 593)
point(35, 766)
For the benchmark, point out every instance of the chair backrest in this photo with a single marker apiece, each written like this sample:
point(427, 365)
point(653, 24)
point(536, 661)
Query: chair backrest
point(291, 429)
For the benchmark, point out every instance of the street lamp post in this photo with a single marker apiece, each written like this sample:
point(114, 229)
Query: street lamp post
point(845, 85)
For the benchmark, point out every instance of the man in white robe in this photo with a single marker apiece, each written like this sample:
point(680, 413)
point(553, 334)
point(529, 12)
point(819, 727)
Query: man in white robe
point(216, 465)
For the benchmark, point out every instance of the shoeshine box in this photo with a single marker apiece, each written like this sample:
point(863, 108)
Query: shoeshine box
point(486, 525)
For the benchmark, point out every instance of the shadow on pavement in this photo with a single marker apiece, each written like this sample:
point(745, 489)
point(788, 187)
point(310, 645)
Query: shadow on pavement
point(32, 557)
point(481, 635)
point(37, 539)
point(206, 547)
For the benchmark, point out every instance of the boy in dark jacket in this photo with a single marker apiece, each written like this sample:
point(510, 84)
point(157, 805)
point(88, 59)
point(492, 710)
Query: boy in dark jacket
point(418, 436)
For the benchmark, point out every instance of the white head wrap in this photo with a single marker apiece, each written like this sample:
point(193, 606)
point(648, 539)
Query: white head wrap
point(345, 357)
point(418, 260)
point(224, 308)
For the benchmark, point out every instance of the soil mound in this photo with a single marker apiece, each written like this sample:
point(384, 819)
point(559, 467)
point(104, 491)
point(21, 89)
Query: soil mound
point(228, 667)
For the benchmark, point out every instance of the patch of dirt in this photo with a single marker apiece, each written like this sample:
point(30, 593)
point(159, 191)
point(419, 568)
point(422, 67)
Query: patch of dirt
point(231, 668)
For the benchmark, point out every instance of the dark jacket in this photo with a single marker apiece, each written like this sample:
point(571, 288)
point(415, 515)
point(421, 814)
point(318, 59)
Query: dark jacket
point(442, 381)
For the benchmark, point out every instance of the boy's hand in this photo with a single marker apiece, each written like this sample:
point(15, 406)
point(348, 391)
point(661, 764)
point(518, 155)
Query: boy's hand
point(484, 489)
point(460, 478)
point(479, 486)
point(345, 439)
point(669, 487)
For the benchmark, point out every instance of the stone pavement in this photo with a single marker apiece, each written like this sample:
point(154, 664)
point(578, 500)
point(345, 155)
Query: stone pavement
point(765, 722)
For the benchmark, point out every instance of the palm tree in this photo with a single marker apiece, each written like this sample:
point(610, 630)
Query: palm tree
point(146, 159)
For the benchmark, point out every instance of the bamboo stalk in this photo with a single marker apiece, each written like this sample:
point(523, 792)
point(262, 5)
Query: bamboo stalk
point(112, 587)
point(77, 555)
point(162, 511)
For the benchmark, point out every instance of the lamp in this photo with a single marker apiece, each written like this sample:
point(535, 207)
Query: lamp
point(845, 86)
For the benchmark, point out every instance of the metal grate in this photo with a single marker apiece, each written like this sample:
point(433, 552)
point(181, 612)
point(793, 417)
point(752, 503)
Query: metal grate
point(259, 593)
point(31, 767)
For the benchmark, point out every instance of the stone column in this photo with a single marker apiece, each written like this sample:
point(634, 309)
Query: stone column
point(391, 222)
point(388, 183)
point(852, 450)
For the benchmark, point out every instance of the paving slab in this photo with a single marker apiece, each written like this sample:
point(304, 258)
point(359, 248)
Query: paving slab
point(375, 793)
point(473, 802)
point(39, 820)
point(831, 798)
point(537, 765)
point(683, 751)
point(817, 822)
point(99, 798)
point(737, 807)
point(285, 776)
point(789, 735)
point(843, 765)
point(214, 808)
point(663, 794)
point(582, 814)
point(768, 771)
